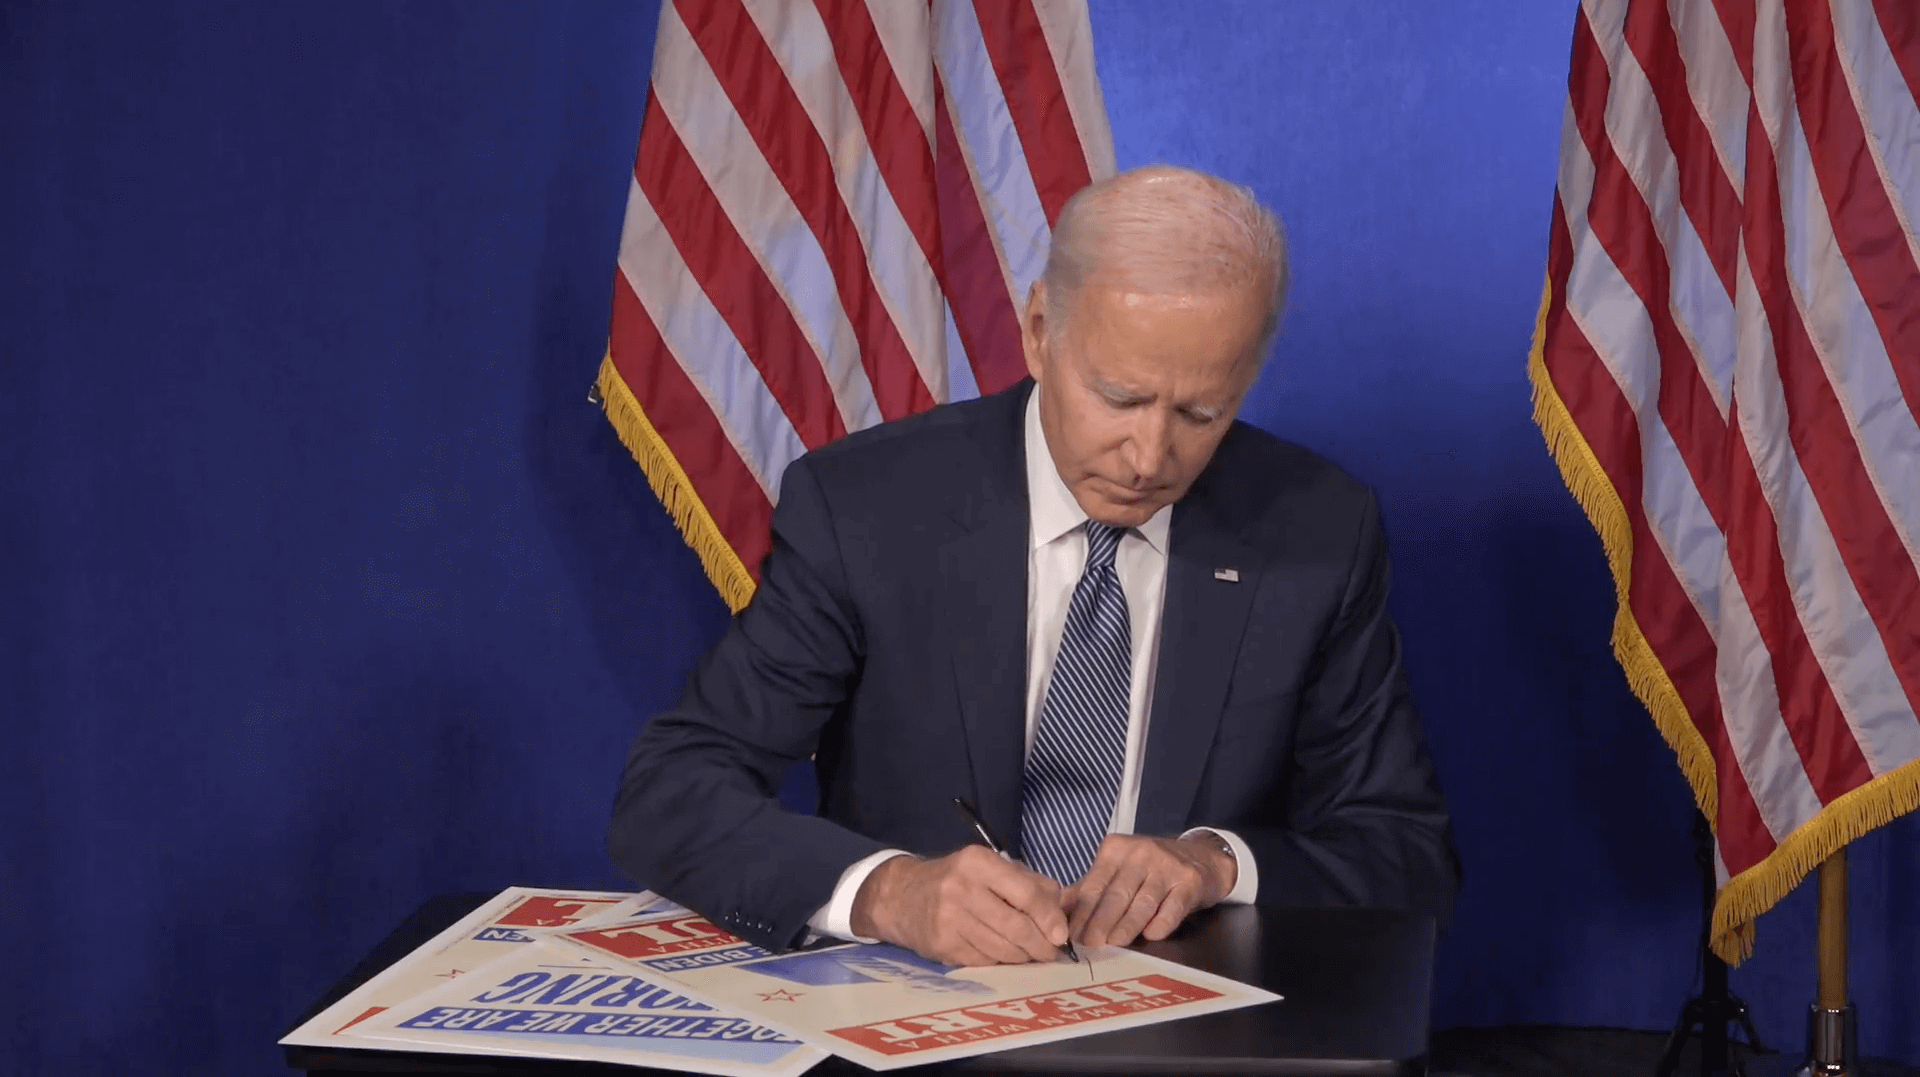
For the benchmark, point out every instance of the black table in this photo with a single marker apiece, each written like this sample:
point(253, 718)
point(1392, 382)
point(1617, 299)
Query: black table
point(1356, 984)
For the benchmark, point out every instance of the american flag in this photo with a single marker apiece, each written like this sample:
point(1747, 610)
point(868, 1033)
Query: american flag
point(1727, 370)
point(837, 207)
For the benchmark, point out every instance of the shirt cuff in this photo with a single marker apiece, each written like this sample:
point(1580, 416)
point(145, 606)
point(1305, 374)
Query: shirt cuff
point(835, 918)
point(1246, 883)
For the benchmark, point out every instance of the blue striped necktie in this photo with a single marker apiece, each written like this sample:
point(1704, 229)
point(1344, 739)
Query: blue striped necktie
point(1073, 768)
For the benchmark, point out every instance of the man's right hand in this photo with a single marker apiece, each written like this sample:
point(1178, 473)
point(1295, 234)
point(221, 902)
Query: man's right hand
point(970, 907)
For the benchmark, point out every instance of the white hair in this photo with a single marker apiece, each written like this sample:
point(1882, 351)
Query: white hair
point(1165, 230)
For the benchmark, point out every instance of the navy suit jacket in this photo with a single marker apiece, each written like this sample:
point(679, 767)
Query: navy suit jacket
point(888, 640)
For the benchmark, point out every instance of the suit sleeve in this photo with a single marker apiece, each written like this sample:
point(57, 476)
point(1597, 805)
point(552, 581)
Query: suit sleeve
point(1365, 823)
point(696, 817)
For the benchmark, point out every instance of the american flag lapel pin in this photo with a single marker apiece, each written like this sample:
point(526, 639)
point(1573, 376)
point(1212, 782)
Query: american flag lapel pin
point(1231, 575)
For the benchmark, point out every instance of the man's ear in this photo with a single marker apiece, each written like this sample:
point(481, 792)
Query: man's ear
point(1033, 327)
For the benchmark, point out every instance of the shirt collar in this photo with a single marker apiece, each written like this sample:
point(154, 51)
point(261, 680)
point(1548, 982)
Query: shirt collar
point(1052, 510)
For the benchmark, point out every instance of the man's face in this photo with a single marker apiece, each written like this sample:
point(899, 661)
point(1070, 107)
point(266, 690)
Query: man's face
point(1138, 391)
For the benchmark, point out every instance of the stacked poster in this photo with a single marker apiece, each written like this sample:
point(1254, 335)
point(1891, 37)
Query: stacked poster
point(886, 1007)
point(636, 979)
point(504, 923)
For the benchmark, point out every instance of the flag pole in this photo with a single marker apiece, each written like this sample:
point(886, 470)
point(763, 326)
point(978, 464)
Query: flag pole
point(1832, 931)
point(1830, 1026)
point(1832, 1032)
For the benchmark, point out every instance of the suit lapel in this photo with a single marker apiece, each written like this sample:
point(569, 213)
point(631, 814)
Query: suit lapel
point(984, 612)
point(1200, 629)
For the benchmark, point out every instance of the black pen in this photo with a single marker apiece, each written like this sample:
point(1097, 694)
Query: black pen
point(979, 826)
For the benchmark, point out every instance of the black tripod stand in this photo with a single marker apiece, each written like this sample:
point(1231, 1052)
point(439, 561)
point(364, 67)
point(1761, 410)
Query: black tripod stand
point(1714, 1007)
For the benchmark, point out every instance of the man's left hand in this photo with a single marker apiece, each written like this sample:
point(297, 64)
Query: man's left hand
point(1146, 886)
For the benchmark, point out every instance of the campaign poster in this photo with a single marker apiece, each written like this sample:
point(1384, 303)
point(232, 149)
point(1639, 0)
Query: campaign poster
point(886, 1007)
point(509, 920)
point(555, 1002)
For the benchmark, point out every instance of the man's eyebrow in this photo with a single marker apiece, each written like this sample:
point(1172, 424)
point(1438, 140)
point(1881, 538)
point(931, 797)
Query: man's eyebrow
point(1118, 392)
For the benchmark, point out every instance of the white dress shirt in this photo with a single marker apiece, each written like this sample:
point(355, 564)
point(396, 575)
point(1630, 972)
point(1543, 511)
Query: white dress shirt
point(1056, 558)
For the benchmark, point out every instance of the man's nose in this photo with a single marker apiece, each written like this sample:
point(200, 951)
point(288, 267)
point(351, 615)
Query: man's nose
point(1148, 446)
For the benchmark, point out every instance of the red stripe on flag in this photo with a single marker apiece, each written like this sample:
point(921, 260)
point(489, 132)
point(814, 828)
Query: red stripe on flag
point(1737, 19)
point(1821, 736)
point(691, 431)
point(1659, 605)
point(1832, 757)
point(1620, 220)
point(1862, 213)
point(904, 155)
point(786, 137)
point(1873, 243)
point(1705, 191)
point(900, 146)
point(983, 310)
point(1017, 47)
point(1900, 25)
point(1718, 464)
point(733, 280)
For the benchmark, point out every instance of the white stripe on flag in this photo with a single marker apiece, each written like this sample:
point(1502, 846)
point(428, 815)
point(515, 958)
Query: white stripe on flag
point(1843, 636)
point(705, 347)
point(763, 214)
point(1887, 111)
point(992, 146)
point(1610, 314)
point(1698, 299)
point(906, 35)
point(1847, 339)
point(1614, 321)
point(960, 379)
point(902, 279)
point(1714, 81)
point(1070, 41)
point(1762, 746)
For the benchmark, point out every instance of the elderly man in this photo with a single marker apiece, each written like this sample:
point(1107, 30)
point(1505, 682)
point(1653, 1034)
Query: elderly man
point(1148, 641)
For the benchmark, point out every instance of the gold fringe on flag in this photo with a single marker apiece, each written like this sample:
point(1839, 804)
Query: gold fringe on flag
point(1851, 815)
point(1755, 890)
point(675, 490)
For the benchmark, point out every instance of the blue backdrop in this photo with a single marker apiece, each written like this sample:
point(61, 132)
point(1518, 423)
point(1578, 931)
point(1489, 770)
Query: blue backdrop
point(323, 588)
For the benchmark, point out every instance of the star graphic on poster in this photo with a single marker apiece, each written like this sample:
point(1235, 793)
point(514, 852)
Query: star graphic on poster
point(782, 995)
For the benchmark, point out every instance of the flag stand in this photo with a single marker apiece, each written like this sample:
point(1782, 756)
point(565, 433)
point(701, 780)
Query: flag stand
point(1714, 1007)
point(1832, 1038)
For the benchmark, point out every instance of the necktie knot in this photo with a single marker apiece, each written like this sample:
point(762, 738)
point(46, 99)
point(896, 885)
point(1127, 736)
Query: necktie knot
point(1102, 542)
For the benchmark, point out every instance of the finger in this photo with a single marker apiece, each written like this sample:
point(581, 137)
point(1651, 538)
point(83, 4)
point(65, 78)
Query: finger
point(999, 949)
point(970, 903)
point(1114, 901)
point(1018, 927)
point(1079, 903)
point(1035, 898)
point(1174, 909)
point(1146, 902)
point(1085, 894)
